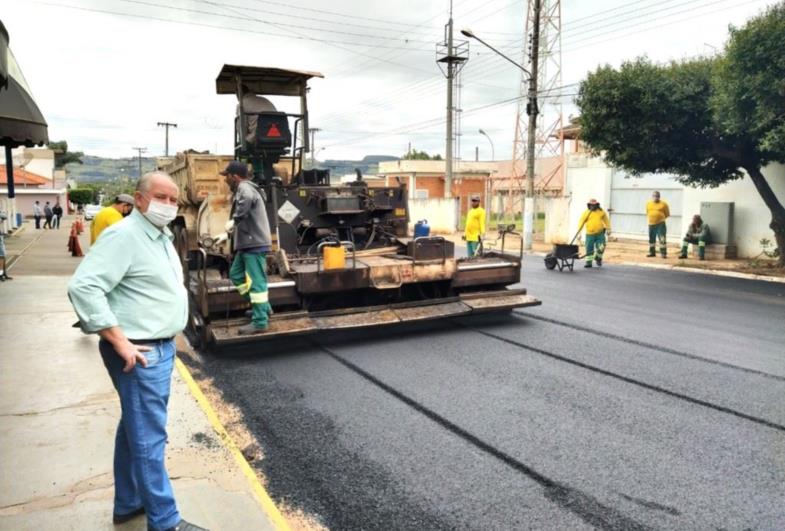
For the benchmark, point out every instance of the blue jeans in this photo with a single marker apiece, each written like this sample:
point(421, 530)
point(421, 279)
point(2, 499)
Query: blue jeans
point(140, 477)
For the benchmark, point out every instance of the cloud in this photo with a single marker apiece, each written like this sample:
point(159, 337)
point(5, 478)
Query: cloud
point(104, 80)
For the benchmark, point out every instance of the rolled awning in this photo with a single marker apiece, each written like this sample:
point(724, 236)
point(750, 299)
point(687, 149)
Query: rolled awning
point(21, 122)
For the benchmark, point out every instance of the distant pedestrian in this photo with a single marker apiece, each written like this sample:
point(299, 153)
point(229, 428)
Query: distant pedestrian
point(3, 273)
point(58, 215)
point(37, 214)
point(657, 212)
point(129, 290)
point(598, 226)
point(122, 206)
point(251, 241)
point(48, 215)
point(475, 226)
point(698, 234)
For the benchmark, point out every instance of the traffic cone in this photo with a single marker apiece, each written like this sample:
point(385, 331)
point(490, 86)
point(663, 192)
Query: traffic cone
point(73, 241)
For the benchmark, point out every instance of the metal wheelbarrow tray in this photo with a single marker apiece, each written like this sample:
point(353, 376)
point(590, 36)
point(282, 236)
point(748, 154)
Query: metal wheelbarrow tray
point(563, 255)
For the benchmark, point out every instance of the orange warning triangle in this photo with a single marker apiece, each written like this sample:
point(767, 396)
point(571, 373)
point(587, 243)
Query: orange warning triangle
point(273, 131)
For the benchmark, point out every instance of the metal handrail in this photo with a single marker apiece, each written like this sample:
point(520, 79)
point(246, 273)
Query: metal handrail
point(202, 276)
point(338, 244)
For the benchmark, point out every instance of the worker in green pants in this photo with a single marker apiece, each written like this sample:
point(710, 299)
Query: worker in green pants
point(598, 225)
point(251, 241)
point(657, 211)
point(698, 234)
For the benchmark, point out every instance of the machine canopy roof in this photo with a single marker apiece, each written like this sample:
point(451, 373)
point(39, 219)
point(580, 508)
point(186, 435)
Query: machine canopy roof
point(263, 80)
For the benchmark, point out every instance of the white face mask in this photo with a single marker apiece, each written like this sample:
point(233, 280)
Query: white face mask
point(160, 214)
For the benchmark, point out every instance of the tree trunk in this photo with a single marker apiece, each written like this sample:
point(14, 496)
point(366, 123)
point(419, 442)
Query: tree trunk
point(777, 210)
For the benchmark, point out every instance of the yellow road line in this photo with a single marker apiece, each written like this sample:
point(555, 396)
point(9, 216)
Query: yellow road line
point(261, 493)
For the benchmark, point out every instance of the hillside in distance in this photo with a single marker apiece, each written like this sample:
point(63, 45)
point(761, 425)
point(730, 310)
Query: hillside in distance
point(100, 170)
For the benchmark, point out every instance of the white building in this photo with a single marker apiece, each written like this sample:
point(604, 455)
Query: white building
point(624, 197)
point(35, 180)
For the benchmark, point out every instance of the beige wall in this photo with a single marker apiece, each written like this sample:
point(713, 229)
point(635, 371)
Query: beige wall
point(751, 216)
point(24, 201)
point(442, 214)
point(589, 177)
point(42, 163)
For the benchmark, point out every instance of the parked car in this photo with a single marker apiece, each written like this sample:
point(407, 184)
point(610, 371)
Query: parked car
point(91, 210)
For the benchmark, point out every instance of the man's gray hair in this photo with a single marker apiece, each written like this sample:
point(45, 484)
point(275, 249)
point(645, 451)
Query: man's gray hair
point(147, 179)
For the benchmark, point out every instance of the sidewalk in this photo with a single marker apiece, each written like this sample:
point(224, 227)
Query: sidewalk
point(59, 414)
point(633, 252)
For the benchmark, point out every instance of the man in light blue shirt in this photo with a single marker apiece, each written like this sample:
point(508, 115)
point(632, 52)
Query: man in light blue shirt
point(129, 290)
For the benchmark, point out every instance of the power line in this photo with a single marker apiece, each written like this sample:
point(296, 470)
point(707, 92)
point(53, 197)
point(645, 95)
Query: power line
point(167, 125)
point(571, 36)
point(333, 13)
point(592, 39)
point(215, 26)
point(140, 150)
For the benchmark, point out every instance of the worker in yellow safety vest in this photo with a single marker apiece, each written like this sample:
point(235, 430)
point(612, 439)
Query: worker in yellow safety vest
point(598, 226)
point(475, 226)
point(122, 206)
point(657, 211)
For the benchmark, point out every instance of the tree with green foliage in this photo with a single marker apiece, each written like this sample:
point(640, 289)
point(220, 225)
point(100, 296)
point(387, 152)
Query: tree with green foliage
point(63, 156)
point(706, 120)
point(84, 195)
point(420, 155)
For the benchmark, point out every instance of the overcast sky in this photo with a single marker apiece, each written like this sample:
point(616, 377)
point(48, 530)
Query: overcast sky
point(104, 72)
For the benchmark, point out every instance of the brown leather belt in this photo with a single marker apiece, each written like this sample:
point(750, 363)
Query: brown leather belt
point(150, 341)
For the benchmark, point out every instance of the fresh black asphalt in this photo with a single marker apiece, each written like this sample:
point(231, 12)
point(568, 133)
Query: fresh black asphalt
point(633, 398)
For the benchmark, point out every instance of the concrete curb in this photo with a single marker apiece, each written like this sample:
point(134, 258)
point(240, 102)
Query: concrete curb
point(264, 499)
point(15, 258)
point(19, 230)
point(716, 272)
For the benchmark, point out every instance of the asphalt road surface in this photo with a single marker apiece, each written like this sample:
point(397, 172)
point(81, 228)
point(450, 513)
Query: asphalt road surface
point(632, 398)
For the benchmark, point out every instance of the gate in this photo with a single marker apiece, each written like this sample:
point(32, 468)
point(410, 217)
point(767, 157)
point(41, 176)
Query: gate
point(629, 195)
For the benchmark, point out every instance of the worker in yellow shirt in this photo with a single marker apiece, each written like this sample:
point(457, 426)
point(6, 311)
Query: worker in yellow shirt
point(597, 225)
point(123, 205)
point(475, 226)
point(657, 212)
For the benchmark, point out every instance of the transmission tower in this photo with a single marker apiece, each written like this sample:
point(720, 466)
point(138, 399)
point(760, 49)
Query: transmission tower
point(548, 106)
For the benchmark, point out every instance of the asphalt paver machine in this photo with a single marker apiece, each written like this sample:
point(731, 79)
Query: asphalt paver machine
point(383, 276)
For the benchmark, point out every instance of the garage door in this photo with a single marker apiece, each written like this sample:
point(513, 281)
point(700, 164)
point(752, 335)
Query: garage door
point(628, 203)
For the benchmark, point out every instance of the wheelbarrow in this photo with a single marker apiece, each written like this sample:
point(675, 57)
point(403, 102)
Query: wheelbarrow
point(563, 254)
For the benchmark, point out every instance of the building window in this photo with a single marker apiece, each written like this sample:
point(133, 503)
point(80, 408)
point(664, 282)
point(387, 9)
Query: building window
point(421, 194)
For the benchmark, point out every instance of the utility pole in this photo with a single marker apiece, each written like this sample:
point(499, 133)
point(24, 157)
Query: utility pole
point(313, 131)
point(140, 150)
point(531, 110)
point(167, 125)
point(453, 56)
point(450, 77)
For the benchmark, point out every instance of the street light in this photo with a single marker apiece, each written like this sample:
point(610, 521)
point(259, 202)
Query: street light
point(466, 32)
point(493, 152)
point(527, 212)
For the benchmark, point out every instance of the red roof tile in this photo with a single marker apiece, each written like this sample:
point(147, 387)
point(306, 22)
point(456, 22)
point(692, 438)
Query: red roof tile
point(22, 177)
